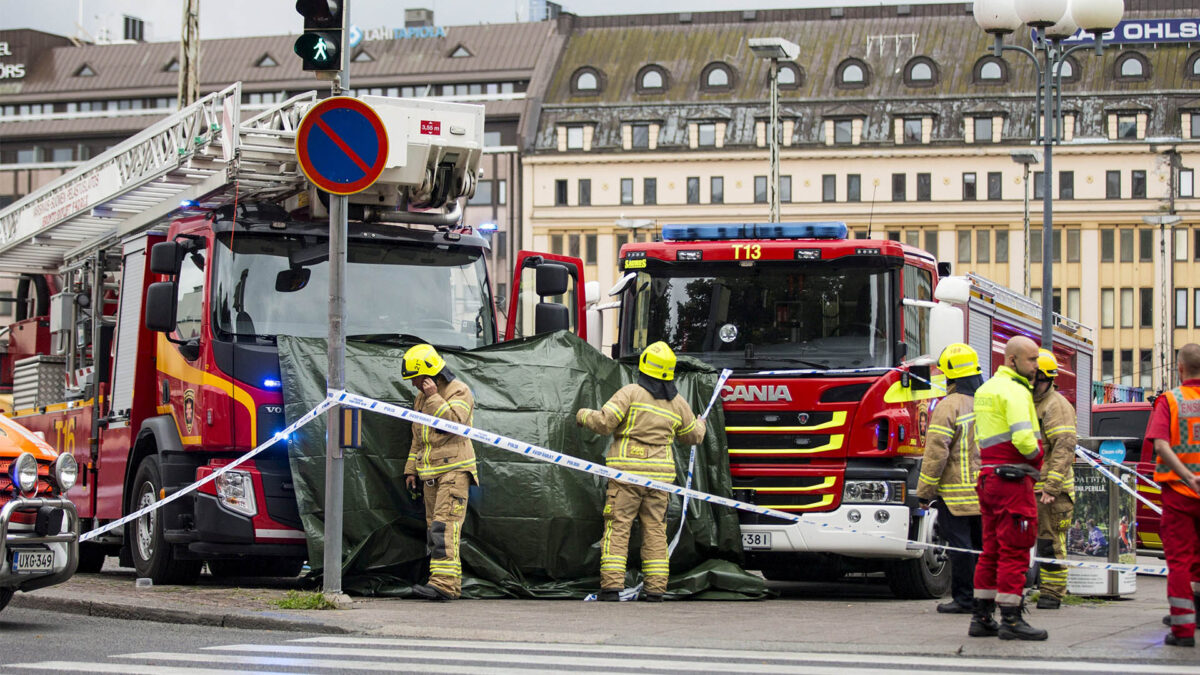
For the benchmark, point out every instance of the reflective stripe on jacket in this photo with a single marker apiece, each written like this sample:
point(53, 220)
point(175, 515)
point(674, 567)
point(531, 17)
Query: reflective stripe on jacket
point(436, 452)
point(1183, 404)
point(645, 428)
point(1057, 419)
point(1006, 424)
point(951, 464)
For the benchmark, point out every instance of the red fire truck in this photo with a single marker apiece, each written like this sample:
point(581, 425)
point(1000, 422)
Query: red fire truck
point(832, 342)
point(155, 280)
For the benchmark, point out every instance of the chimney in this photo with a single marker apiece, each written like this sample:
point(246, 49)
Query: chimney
point(418, 17)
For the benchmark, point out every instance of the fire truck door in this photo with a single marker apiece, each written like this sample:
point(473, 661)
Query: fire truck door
point(547, 295)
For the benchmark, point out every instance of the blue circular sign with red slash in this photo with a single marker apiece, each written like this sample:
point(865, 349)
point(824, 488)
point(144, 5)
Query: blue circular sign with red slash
point(342, 145)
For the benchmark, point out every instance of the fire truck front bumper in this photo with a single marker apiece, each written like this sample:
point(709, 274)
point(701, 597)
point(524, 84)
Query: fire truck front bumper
point(42, 553)
point(856, 530)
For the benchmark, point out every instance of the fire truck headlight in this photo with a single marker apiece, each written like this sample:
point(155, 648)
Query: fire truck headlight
point(873, 492)
point(235, 492)
point(66, 472)
point(22, 471)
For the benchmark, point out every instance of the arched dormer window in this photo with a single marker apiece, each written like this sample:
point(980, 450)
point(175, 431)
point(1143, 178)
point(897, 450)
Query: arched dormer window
point(852, 74)
point(652, 79)
point(587, 80)
point(790, 76)
point(716, 77)
point(921, 71)
point(1132, 66)
point(990, 70)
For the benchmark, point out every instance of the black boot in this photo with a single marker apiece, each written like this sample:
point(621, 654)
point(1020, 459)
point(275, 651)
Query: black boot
point(983, 624)
point(1047, 601)
point(609, 595)
point(1013, 626)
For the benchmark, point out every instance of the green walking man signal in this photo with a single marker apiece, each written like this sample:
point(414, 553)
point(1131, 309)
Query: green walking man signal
point(320, 46)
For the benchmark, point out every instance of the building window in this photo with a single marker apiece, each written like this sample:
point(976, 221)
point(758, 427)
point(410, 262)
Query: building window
point(1132, 66)
point(483, 193)
point(1145, 245)
point(1126, 308)
point(1126, 245)
point(574, 138)
point(788, 76)
point(931, 242)
point(1137, 184)
point(913, 238)
point(990, 70)
point(785, 189)
point(843, 132)
point(1181, 307)
point(1106, 308)
point(693, 190)
point(1039, 184)
point(589, 249)
point(1035, 246)
point(1196, 308)
point(995, 185)
point(640, 134)
point(760, 189)
point(1127, 128)
point(853, 187)
point(717, 190)
point(586, 81)
point(502, 192)
point(983, 129)
point(1181, 244)
point(852, 73)
point(573, 245)
point(924, 187)
point(556, 244)
point(913, 130)
point(649, 191)
point(626, 190)
point(1187, 182)
point(828, 188)
point(1069, 70)
point(560, 192)
point(1112, 185)
point(921, 72)
point(983, 246)
point(706, 134)
point(1196, 120)
point(899, 187)
point(1002, 246)
point(1146, 304)
point(652, 80)
point(968, 187)
point(716, 77)
point(1073, 303)
point(1127, 367)
point(1145, 369)
point(135, 29)
point(1066, 184)
point(964, 246)
point(1106, 365)
point(1106, 246)
point(85, 71)
point(1072, 245)
point(585, 191)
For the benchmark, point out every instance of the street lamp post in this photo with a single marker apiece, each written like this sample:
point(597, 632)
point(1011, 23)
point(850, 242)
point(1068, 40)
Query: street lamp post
point(1025, 158)
point(774, 49)
point(1052, 21)
point(1166, 227)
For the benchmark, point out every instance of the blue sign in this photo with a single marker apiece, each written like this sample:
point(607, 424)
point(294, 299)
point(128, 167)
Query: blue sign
point(342, 145)
point(1113, 450)
point(1145, 31)
point(357, 35)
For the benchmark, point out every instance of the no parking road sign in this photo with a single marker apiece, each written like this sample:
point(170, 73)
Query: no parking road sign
point(342, 145)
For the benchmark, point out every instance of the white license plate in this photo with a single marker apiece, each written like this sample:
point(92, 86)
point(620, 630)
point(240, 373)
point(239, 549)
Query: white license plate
point(25, 562)
point(756, 540)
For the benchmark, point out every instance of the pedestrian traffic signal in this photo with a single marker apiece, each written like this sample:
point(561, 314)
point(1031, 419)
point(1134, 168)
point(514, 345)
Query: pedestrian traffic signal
point(320, 46)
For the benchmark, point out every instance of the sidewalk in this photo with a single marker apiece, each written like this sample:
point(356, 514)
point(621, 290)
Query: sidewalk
point(852, 616)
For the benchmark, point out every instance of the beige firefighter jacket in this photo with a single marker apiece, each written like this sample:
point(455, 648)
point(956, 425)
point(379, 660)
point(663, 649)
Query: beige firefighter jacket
point(645, 428)
point(1057, 419)
point(436, 452)
point(951, 464)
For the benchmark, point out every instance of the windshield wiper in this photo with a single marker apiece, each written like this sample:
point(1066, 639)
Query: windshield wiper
point(384, 338)
point(792, 359)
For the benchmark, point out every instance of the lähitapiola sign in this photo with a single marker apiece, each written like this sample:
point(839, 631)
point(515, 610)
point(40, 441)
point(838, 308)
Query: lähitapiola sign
point(1144, 31)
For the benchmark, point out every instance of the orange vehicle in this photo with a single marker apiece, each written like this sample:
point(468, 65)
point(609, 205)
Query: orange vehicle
point(38, 525)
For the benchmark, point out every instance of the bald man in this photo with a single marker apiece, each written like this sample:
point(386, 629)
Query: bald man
point(1174, 429)
point(1010, 449)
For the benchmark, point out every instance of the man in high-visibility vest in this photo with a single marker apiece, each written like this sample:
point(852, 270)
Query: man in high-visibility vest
point(949, 470)
point(1174, 428)
point(1056, 486)
point(1010, 449)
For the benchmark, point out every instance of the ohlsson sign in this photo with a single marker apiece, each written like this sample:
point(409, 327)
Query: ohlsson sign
point(1145, 31)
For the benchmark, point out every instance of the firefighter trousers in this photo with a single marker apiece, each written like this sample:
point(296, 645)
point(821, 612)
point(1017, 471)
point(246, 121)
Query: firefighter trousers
point(1054, 519)
point(1180, 529)
point(445, 510)
point(1009, 531)
point(960, 532)
point(624, 502)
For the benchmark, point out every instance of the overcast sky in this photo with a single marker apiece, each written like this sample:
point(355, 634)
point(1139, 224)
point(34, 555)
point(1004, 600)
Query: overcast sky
point(242, 18)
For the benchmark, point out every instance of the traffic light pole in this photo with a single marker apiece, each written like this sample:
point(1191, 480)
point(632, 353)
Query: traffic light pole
point(336, 379)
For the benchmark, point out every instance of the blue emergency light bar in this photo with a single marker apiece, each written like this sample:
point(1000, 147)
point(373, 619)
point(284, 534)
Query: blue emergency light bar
point(814, 230)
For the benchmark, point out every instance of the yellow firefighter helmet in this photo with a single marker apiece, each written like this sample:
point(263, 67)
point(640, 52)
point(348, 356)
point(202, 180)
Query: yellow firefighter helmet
point(658, 361)
point(959, 360)
point(422, 360)
point(1047, 364)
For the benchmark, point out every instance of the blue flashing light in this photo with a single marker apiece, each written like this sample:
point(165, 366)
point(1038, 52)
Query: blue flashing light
point(720, 232)
point(189, 204)
point(488, 227)
point(272, 384)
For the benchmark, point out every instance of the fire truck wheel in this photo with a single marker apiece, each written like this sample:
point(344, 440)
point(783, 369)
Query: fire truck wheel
point(5, 595)
point(91, 558)
point(921, 578)
point(255, 567)
point(153, 557)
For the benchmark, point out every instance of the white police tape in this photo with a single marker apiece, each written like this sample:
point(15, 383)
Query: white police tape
point(1112, 477)
point(280, 435)
point(1120, 467)
point(560, 459)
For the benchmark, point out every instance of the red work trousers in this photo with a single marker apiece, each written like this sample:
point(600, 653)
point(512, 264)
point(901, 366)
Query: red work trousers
point(1009, 531)
point(1180, 531)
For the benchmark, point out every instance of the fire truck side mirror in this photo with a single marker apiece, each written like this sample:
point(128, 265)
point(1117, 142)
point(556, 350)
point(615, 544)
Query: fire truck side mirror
point(552, 279)
point(160, 306)
point(944, 269)
point(165, 257)
point(919, 380)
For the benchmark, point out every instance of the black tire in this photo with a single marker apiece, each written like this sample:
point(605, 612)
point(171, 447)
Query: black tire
point(91, 558)
point(255, 567)
point(921, 578)
point(153, 557)
point(5, 595)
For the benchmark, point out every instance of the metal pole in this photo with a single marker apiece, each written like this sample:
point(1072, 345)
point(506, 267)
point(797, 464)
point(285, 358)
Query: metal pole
point(1047, 201)
point(774, 185)
point(1025, 184)
point(336, 378)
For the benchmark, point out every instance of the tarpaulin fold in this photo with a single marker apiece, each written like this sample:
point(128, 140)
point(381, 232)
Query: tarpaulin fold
point(533, 529)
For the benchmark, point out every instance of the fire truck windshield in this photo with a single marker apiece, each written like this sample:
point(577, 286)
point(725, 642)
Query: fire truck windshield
point(767, 316)
point(278, 284)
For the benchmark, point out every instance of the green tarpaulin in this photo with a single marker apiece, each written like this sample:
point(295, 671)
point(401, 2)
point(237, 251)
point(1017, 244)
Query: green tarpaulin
point(533, 529)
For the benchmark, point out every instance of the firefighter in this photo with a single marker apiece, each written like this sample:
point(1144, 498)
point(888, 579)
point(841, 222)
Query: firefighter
point(444, 462)
point(1055, 487)
point(1010, 449)
point(949, 470)
point(1172, 431)
point(647, 417)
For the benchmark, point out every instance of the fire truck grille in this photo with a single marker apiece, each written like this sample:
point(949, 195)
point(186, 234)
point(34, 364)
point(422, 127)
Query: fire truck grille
point(759, 420)
point(771, 448)
point(792, 494)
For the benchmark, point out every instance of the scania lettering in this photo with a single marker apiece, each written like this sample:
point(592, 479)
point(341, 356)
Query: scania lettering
point(832, 342)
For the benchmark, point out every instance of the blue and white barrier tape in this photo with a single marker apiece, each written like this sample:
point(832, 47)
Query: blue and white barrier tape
point(1120, 467)
point(1112, 477)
